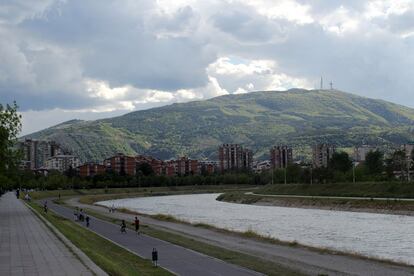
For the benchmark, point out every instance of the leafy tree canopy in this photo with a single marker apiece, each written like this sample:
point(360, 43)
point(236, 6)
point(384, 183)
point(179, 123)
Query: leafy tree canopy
point(340, 162)
point(10, 126)
point(374, 162)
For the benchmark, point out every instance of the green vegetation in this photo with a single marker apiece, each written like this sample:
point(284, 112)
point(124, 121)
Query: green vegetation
point(110, 257)
point(56, 180)
point(10, 126)
point(374, 189)
point(389, 205)
point(90, 196)
point(257, 120)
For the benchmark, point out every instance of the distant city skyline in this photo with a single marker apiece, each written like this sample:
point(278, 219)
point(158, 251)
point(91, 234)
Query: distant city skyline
point(65, 60)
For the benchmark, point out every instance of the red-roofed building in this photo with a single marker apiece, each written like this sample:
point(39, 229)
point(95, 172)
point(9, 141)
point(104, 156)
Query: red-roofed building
point(91, 169)
point(121, 164)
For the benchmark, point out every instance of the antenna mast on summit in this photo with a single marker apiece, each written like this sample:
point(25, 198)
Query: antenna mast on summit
point(321, 83)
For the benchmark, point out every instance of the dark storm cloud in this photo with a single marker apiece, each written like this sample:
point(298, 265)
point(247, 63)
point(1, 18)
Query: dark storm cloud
point(50, 51)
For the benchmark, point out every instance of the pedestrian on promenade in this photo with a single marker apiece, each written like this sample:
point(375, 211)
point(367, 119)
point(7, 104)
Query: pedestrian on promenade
point(17, 193)
point(123, 226)
point(136, 223)
point(155, 257)
point(59, 196)
point(81, 216)
point(27, 197)
point(45, 206)
point(87, 220)
point(75, 214)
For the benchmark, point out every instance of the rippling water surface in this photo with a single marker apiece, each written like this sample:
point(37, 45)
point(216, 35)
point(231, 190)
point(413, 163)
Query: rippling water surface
point(376, 235)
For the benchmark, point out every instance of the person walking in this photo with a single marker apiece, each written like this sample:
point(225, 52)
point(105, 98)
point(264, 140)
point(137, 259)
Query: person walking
point(136, 223)
point(123, 226)
point(75, 214)
point(45, 206)
point(87, 220)
point(81, 217)
point(155, 257)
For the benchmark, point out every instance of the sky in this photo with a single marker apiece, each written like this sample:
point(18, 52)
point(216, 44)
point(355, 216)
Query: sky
point(62, 60)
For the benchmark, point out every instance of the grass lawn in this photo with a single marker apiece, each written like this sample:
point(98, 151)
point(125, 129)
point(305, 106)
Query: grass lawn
point(89, 194)
point(113, 259)
point(367, 189)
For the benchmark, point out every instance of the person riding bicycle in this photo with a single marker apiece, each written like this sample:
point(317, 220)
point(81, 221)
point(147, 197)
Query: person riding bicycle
point(123, 226)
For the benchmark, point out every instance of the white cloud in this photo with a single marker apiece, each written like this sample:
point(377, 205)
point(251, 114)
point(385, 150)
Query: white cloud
point(340, 21)
point(283, 9)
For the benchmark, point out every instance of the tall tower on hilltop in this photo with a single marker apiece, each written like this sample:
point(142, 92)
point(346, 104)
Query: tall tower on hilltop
point(321, 83)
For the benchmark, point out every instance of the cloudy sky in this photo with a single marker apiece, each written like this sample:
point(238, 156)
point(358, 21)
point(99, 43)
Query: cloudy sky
point(90, 59)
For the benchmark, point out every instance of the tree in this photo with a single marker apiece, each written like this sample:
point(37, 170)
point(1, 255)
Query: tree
point(374, 162)
point(10, 126)
point(398, 163)
point(340, 162)
point(145, 168)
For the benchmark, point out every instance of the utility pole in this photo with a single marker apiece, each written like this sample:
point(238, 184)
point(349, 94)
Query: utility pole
point(285, 176)
point(311, 171)
point(353, 172)
point(273, 172)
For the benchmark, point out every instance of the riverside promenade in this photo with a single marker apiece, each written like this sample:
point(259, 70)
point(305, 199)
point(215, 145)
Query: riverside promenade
point(28, 247)
point(176, 259)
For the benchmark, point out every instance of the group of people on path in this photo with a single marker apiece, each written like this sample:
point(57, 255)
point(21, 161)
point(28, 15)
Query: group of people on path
point(135, 223)
point(79, 215)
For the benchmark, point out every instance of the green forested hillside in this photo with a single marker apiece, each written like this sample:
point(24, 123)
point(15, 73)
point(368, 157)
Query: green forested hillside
point(257, 120)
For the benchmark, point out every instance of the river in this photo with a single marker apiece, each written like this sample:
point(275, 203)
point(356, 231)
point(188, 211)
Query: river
point(374, 235)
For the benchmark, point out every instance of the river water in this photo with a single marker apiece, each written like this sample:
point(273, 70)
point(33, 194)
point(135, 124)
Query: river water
point(374, 235)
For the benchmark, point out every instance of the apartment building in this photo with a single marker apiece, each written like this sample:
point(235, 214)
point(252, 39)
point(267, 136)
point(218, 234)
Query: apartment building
point(37, 152)
point(121, 164)
point(90, 169)
point(360, 153)
point(321, 154)
point(186, 166)
point(234, 157)
point(208, 166)
point(281, 157)
point(62, 163)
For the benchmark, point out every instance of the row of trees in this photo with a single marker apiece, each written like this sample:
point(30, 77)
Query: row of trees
point(341, 169)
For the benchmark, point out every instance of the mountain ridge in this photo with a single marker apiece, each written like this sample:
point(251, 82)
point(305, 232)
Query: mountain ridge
point(258, 120)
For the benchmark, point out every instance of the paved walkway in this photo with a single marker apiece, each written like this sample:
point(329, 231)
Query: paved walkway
point(302, 259)
point(28, 247)
point(176, 259)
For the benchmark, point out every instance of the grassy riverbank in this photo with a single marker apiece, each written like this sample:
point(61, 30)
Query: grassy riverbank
point(367, 189)
point(111, 258)
point(92, 195)
point(392, 206)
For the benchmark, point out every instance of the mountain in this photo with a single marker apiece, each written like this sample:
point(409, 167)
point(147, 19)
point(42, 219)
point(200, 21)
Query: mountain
point(257, 120)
